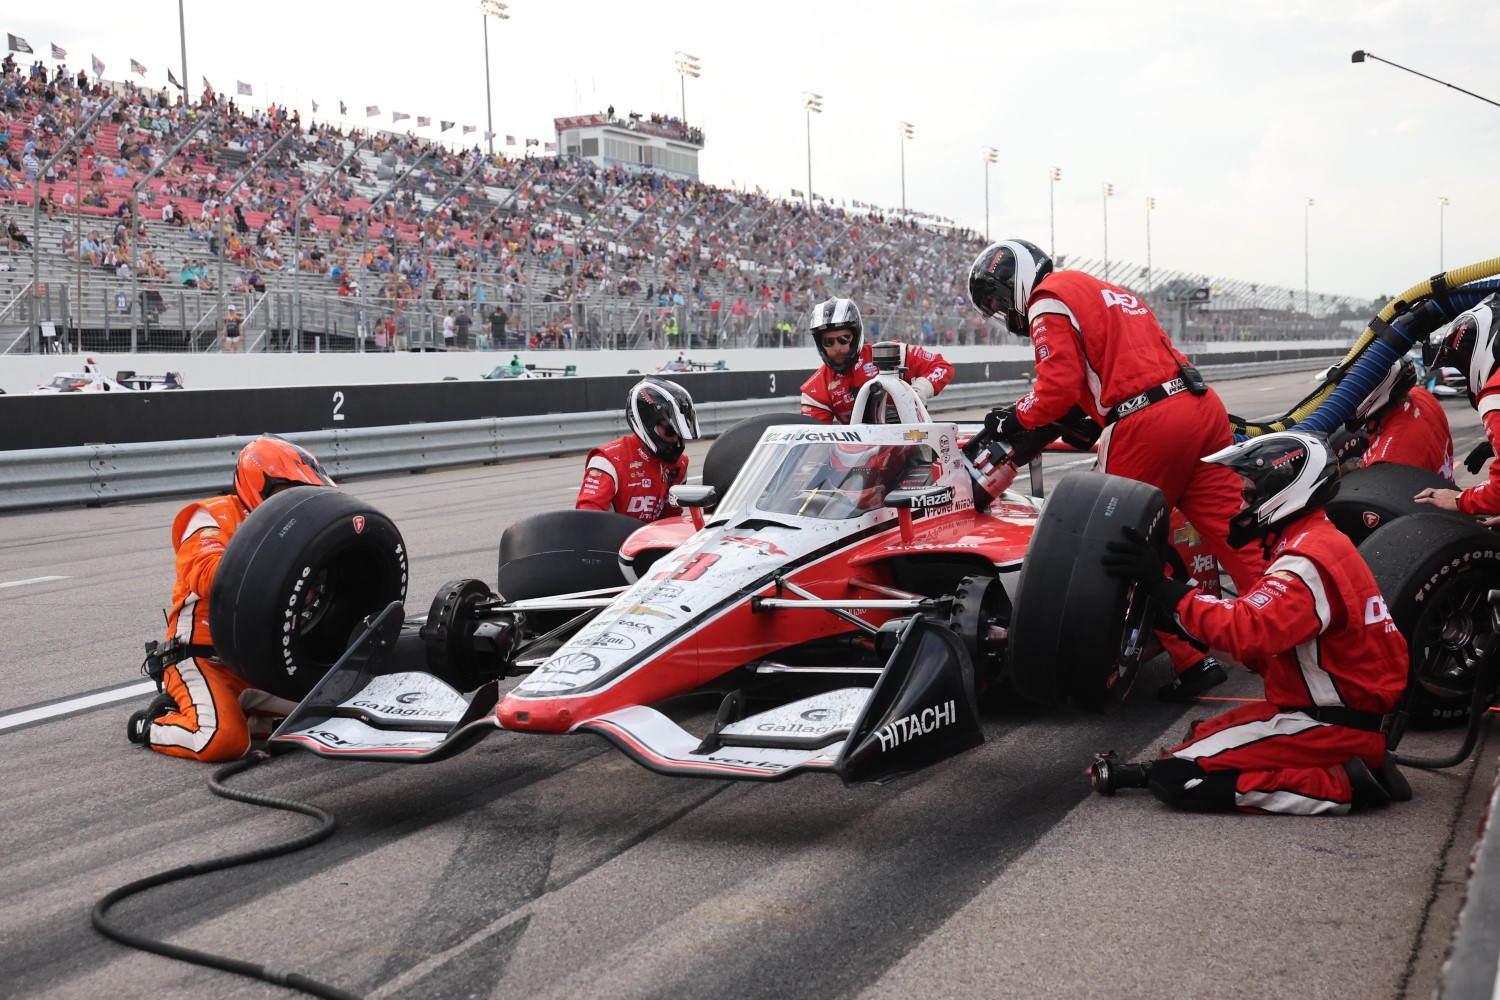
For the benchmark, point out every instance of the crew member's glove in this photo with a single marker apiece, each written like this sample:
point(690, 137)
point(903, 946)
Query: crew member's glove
point(1482, 453)
point(923, 388)
point(1003, 423)
point(1133, 557)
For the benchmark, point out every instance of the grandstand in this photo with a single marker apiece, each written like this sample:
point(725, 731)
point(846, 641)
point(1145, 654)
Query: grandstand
point(394, 232)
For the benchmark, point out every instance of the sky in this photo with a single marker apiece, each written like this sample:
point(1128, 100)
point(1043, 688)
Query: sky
point(1230, 116)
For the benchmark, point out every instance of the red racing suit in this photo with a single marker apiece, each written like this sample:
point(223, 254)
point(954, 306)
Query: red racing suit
point(1097, 345)
point(1485, 497)
point(1412, 433)
point(210, 723)
point(829, 396)
point(624, 477)
point(1316, 630)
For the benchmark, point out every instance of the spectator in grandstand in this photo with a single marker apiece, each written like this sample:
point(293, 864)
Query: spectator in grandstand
point(837, 332)
point(1313, 627)
point(204, 708)
point(632, 475)
point(14, 237)
point(232, 331)
point(450, 330)
point(187, 275)
point(1099, 348)
point(462, 323)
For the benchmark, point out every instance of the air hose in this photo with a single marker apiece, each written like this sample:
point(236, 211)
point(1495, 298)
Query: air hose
point(1404, 321)
point(290, 980)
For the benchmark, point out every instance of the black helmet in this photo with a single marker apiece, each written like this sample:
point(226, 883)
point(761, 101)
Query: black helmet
point(1471, 343)
point(1003, 278)
point(1290, 472)
point(1392, 389)
point(837, 314)
point(654, 400)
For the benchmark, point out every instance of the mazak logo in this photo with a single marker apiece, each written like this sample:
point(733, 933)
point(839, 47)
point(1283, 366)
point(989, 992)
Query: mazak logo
point(359, 524)
point(1123, 300)
point(1370, 518)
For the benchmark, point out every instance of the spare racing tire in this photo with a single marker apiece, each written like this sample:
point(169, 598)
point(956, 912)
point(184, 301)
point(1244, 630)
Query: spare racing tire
point(299, 575)
point(1076, 635)
point(1374, 496)
point(562, 552)
point(731, 450)
point(1435, 573)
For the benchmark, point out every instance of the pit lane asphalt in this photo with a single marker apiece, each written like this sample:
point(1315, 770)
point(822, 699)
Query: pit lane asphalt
point(555, 867)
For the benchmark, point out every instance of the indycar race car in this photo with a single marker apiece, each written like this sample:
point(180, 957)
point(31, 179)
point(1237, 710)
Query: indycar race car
point(845, 600)
point(93, 379)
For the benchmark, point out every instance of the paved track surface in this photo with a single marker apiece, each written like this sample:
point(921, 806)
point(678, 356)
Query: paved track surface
point(554, 867)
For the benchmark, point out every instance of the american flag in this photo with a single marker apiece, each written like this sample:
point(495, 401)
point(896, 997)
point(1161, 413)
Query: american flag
point(136, 67)
point(372, 110)
point(469, 128)
point(510, 140)
point(550, 147)
point(423, 121)
point(58, 52)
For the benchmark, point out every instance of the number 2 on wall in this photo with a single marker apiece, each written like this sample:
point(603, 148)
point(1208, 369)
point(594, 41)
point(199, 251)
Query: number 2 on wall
point(338, 404)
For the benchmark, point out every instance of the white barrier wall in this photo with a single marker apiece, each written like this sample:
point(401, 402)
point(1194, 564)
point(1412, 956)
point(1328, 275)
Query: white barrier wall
point(22, 373)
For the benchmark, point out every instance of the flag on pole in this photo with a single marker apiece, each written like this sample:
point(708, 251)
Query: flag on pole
point(533, 142)
point(372, 110)
point(208, 86)
point(469, 128)
point(399, 116)
point(136, 67)
point(98, 65)
point(172, 79)
point(445, 126)
point(243, 88)
point(315, 107)
point(423, 121)
point(550, 147)
point(796, 193)
point(343, 108)
point(16, 43)
point(488, 135)
point(58, 52)
point(510, 140)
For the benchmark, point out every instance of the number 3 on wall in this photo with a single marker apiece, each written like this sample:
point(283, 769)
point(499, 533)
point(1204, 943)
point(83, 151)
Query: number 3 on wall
point(773, 381)
point(338, 404)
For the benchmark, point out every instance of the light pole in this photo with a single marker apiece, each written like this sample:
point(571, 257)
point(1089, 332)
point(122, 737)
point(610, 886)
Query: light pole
point(991, 155)
point(487, 10)
point(687, 66)
point(1055, 175)
point(906, 133)
point(182, 36)
point(1109, 190)
point(1150, 204)
point(1306, 243)
point(1442, 204)
point(813, 104)
point(1360, 55)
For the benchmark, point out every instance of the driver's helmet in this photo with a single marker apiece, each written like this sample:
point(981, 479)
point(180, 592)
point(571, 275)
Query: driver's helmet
point(1392, 388)
point(1002, 279)
point(831, 317)
point(1469, 343)
point(270, 464)
point(661, 414)
point(1288, 472)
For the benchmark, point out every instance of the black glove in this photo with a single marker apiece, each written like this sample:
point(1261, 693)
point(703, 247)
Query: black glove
point(1135, 558)
point(1482, 453)
point(1003, 423)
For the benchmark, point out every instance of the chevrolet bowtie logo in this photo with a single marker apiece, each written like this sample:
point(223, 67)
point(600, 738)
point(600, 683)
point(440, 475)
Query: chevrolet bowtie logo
point(915, 435)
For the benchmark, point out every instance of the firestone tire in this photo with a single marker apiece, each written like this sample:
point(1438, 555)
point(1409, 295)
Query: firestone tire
point(1435, 573)
point(731, 450)
point(298, 577)
point(1375, 496)
point(1076, 634)
point(562, 552)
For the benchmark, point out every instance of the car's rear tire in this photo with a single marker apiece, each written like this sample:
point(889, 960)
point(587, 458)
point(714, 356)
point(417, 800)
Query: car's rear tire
point(562, 552)
point(1371, 497)
point(1435, 573)
point(298, 577)
point(1076, 634)
point(730, 451)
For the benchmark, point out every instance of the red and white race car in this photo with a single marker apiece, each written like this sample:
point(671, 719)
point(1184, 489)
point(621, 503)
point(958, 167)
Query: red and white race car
point(840, 606)
point(93, 379)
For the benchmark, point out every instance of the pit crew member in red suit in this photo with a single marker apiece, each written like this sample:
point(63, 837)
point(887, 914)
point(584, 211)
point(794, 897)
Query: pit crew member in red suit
point(1471, 344)
point(202, 712)
point(632, 475)
point(837, 333)
point(1316, 630)
point(1404, 424)
point(1098, 347)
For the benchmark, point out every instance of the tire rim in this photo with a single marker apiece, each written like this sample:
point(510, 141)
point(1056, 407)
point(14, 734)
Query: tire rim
point(1446, 636)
